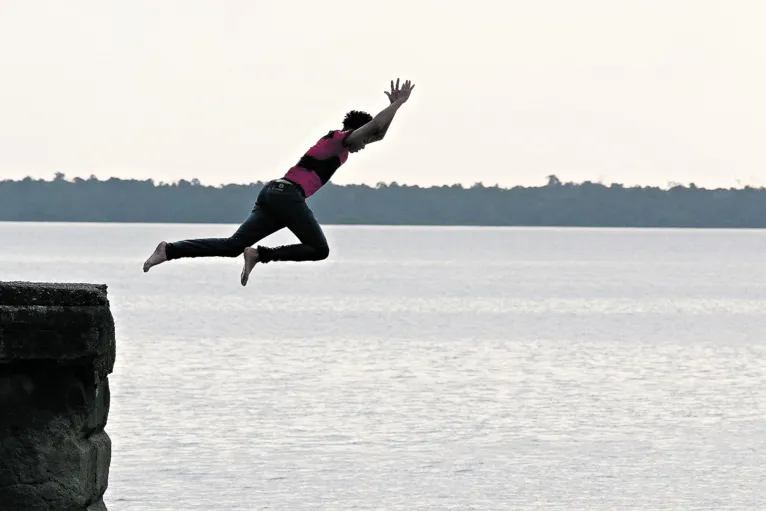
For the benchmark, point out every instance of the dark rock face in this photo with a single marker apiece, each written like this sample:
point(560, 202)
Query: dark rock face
point(57, 346)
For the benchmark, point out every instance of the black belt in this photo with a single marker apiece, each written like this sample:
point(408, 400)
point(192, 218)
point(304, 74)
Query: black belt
point(290, 182)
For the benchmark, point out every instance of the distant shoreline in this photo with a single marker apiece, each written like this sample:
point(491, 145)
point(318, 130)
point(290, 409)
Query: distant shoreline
point(446, 226)
point(554, 205)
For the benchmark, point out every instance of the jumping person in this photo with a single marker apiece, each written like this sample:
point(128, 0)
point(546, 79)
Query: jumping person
point(282, 202)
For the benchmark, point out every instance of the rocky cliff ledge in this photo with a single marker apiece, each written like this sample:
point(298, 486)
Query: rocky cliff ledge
point(57, 347)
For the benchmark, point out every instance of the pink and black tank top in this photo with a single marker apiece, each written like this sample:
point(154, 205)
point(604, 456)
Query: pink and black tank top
point(317, 166)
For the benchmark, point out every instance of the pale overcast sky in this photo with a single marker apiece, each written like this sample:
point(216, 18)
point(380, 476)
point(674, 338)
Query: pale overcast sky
point(507, 92)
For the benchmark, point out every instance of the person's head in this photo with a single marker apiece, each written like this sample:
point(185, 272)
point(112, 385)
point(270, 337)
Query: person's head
point(355, 119)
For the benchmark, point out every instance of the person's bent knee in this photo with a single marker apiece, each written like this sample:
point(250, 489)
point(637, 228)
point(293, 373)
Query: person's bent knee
point(321, 252)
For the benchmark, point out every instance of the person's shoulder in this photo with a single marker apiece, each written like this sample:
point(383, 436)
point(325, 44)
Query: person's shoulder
point(331, 144)
point(325, 140)
point(335, 139)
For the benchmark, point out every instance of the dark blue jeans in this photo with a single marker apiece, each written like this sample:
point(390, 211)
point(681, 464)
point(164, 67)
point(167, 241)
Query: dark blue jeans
point(278, 205)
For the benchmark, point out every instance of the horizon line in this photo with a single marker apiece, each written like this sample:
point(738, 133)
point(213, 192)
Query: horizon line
point(553, 181)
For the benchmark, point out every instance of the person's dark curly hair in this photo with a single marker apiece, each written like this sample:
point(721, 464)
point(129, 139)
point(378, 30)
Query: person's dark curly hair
point(355, 119)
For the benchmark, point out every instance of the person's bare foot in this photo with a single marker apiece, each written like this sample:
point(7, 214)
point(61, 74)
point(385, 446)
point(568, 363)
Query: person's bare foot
point(159, 256)
point(251, 258)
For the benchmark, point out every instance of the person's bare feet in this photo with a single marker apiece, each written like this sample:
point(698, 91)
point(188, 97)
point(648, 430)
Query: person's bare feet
point(159, 256)
point(251, 258)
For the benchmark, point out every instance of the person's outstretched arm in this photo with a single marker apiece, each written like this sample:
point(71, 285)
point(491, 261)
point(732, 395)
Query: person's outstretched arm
point(376, 129)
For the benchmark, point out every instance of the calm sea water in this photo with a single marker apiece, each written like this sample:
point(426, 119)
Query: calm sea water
point(430, 368)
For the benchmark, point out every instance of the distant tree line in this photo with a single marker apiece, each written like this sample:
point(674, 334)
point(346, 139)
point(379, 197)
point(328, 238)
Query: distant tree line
point(554, 204)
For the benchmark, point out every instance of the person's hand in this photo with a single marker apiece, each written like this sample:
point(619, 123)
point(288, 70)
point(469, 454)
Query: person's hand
point(400, 94)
